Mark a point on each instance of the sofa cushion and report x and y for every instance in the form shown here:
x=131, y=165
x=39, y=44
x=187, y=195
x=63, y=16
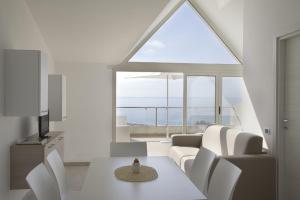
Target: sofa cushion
x=190, y=140
x=247, y=143
x=231, y=136
x=240, y=143
x=179, y=153
x=221, y=140
x=214, y=139
x=224, y=141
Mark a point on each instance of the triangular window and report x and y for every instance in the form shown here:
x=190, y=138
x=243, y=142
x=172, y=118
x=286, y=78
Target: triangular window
x=184, y=38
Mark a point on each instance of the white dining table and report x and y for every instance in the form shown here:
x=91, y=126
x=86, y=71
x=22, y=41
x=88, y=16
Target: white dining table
x=171, y=184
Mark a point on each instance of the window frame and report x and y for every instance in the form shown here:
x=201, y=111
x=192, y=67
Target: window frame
x=185, y=96
x=221, y=93
x=217, y=70
x=164, y=17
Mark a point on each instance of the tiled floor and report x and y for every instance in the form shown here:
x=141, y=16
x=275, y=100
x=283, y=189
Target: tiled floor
x=75, y=176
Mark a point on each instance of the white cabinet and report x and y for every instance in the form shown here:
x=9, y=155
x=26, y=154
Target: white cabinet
x=57, y=97
x=26, y=82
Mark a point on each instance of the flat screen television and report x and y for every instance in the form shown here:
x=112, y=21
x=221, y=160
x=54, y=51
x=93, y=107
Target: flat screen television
x=43, y=126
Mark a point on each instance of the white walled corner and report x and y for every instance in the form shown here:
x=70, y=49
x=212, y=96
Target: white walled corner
x=263, y=22
x=88, y=127
x=18, y=30
x=248, y=116
x=226, y=18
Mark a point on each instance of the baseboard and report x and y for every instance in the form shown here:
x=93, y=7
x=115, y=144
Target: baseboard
x=77, y=163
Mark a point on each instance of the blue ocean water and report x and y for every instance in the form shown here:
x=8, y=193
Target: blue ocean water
x=152, y=110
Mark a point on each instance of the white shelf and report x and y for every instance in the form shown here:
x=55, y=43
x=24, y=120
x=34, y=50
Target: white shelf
x=57, y=97
x=26, y=83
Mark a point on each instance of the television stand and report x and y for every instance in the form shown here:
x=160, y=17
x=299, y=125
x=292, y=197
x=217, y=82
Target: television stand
x=33, y=150
x=44, y=137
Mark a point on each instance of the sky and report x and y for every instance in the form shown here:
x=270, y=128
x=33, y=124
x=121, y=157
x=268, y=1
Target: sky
x=184, y=38
x=129, y=84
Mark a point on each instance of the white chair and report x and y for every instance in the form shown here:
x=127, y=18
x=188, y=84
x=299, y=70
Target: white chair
x=128, y=149
x=223, y=181
x=42, y=184
x=29, y=196
x=201, y=168
x=58, y=171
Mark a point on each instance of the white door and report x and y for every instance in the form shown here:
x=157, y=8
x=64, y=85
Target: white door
x=289, y=124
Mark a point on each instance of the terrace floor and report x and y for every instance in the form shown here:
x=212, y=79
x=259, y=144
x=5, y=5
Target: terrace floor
x=156, y=146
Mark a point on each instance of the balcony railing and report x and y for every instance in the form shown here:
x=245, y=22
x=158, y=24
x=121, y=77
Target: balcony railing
x=152, y=116
x=173, y=116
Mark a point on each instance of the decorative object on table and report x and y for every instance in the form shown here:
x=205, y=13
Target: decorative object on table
x=136, y=172
x=136, y=166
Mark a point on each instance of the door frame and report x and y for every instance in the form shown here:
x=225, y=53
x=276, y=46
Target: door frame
x=280, y=43
x=218, y=70
x=217, y=95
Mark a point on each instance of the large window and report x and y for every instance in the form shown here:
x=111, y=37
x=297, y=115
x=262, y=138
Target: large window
x=140, y=98
x=151, y=104
x=184, y=38
x=201, y=102
x=232, y=90
x=148, y=104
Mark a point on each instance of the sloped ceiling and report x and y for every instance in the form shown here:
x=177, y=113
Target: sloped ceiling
x=226, y=18
x=164, y=15
x=106, y=31
x=101, y=31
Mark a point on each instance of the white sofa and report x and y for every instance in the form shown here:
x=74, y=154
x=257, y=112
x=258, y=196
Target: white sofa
x=258, y=179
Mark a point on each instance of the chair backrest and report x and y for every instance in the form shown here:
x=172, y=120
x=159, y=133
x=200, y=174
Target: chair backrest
x=128, y=149
x=201, y=168
x=29, y=196
x=212, y=139
x=223, y=181
x=58, y=171
x=42, y=184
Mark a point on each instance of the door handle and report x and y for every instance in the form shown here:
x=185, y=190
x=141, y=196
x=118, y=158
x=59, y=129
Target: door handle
x=285, y=121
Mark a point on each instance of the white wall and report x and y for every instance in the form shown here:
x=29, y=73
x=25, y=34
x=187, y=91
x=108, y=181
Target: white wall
x=263, y=21
x=17, y=30
x=88, y=127
x=226, y=18
x=247, y=114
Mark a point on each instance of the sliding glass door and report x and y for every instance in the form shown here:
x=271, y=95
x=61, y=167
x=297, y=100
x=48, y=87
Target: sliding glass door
x=152, y=106
x=149, y=105
x=201, y=103
x=232, y=100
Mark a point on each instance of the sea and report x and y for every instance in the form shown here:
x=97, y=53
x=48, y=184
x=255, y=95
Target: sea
x=153, y=110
